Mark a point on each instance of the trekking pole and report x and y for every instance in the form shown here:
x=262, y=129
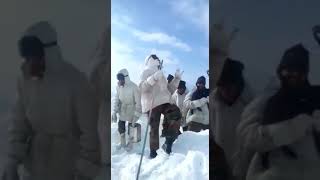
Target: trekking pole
x=144, y=142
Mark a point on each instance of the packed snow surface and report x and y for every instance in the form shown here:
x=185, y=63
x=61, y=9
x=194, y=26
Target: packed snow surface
x=189, y=158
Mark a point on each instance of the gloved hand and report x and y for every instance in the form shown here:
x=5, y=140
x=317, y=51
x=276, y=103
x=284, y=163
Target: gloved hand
x=220, y=48
x=178, y=74
x=136, y=117
x=10, y=171
x=222, y=39
x=204, y=100
x=158, y=75
x=114, y=117
x=199, y=102
x=155, y=77
x=287, y=132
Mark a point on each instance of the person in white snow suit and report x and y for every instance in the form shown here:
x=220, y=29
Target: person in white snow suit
x=53, y=125
x=282, y=127
x=197, y=103
x=219, y=52
x=173, y=83
x=127, y=104
x=230, y=98
x=156, y=100
x=178, y=98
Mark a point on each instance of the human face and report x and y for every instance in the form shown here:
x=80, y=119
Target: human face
x=181, y=91
x=292, y=78
x=201, y=86
x=229, y=93
x=33, y=67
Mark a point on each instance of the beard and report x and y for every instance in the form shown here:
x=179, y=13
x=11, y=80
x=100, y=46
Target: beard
x=293, y=85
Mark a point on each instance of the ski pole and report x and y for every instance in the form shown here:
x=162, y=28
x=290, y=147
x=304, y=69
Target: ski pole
x=144, y=142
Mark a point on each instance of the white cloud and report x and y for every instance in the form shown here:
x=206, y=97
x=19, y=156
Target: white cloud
x=123, y=56
x=196, y=11
x=119, y=47
x=167, y=56
x=161, y=38
x=124, y=22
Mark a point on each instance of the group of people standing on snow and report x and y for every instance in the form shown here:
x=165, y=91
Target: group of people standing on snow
x=58, y=127
x=156, y=95
x=270, y=136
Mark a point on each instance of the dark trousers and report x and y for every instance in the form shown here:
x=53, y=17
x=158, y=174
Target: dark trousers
x=171, y=123
x=197, y=127
x=185, y=128
x=219, y=168
x=122, y=126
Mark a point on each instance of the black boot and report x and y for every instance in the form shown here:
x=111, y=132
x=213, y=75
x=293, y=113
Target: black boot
x=153, y=154
x=167, y=146
x=185, y=128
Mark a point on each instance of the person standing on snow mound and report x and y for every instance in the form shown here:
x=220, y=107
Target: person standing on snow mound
x=283, y=127
x=128, y=104
x=178, y=99
x=230, y=98
x=197, y=103
x=53, y=125
x=155, y=97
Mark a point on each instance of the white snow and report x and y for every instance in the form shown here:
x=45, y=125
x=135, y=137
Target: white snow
x=189, y=158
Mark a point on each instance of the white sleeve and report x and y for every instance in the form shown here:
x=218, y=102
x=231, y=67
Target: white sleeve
x=116, y=102
x=137, y=98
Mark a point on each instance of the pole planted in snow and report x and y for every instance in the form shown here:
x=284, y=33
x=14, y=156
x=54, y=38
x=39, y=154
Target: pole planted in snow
x=144, y=142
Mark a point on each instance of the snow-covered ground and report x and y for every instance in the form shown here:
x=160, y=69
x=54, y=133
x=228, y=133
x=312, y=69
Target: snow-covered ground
x=189, y=159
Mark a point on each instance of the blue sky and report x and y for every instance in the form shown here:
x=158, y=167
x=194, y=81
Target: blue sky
x=176, y=30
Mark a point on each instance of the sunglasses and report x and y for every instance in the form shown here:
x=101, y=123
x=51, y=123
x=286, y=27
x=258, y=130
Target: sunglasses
x=121, y=76
x=291, y=72
x=154, y=56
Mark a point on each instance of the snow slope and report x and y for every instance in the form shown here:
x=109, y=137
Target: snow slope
x=189, y=159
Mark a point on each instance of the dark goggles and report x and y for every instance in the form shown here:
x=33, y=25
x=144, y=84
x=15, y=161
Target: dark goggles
x=121, y=76
x=200, y=82
x=154, y=56
x=31, y=46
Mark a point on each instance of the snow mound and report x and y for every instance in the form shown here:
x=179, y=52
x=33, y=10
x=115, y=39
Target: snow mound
x=189, y=158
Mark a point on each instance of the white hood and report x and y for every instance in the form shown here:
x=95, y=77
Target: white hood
x=126, y=74
x=151, y=63
x=151, y=66
x=47, y=34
